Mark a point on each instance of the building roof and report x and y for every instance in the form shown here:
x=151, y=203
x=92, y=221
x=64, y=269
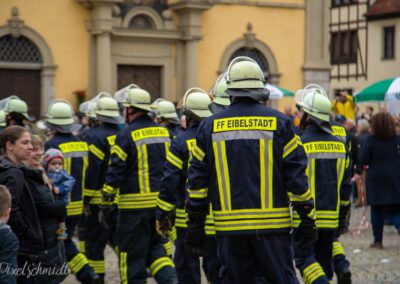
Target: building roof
x=383, y=9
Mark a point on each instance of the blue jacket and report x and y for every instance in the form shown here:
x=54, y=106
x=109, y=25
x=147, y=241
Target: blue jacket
x=249, y=163
x=64, y=182
x=383, y=180
x=173, y=193
x=137, y=162
x=174, y=130
x=75, y=163
x=100, y=141
x=328, y=175
x=8, y=254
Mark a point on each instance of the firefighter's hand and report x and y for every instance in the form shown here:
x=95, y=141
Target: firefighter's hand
x=104, y=216
x=344, y=216
x=306, y=237
x=163, y=226
x=86, y=206
x=196, y=241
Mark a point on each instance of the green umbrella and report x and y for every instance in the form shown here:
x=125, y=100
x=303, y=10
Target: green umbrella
x=278, y=92
x=385, y=90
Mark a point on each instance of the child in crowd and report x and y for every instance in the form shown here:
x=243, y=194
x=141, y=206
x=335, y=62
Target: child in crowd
x=9, y=244
x=61, y=182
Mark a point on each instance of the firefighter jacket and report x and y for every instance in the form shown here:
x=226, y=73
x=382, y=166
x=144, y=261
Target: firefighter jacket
x=249, y=163
x=100, y=141
x=328, y=175
x=75, y=163
x=173, y=193
x=174, y=129
x=137, y=162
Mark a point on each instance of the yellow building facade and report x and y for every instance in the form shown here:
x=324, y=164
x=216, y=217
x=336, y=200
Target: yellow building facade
x=52, y=49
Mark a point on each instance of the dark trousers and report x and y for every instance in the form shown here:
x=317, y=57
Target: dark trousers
x=243, y=257
x=98, y=236
x=77, y=261
x=318, y=266
x=378, y=214
x=140, y=247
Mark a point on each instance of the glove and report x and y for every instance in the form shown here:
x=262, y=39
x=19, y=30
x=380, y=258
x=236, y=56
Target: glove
x=306, y=237
x=165, y=224
x=86, y=206
x=104, y=216
x=344, y=218
x=196, y=241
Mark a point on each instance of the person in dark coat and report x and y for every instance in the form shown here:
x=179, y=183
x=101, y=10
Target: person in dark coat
x=49, y=211
x=381, y=152
x=15, y=143
x=9, y=241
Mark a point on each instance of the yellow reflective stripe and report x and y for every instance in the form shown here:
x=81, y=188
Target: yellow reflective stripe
x=340, y=174
x=108, y=189
x=290, y=146
x=123, y=267
x=172, y=234
x=111, y=139
x=344, y=202
x=221, y=166
x=338, y=131
x=69, y=147
x=324, y=147
x=198, y=193
x=253, y=224
x=82, y=246
x=97, y=152
x=164, y=205
x=328, y=214
x=84, y=168
x=149, y=132
x=78, y=262
x=300, y=198
x=245, y=123
x=143, y=168
x=75, y=208
x=251, y=214
x=263, y=174
x=168, y=247
x=174, y=160
x=99, y=266
x=91, y=192
x=338, y=249
x=137, y=201
x=311, y=176
x=198, y=153
x=270, y=172
x=119, y=152
x=327, y=224
x=68, y=165
x=160, y=263
x=312, y=273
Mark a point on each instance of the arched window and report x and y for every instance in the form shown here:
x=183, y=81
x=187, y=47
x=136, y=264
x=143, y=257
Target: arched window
x=142, y=22
x=255, y=54
x=19, y=49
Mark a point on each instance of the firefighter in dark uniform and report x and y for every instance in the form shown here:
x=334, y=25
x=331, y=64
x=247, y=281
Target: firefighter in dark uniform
x=219, y=96
x=173, y=192
x=60, y=120
x=100, y=229
x=328, y=176
x=341, y=264
x=137, y=160
x=249, y=164
x=166, y=116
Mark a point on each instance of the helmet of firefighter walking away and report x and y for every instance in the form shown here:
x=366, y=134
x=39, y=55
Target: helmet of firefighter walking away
x=107, y=110
x=166, y=109
x=244, y=78
x=60, y=116
x=138, y=98
x=2, y=119
x=195, y=104
x=120, y=95
x=219, y=93
x=14, y=108
x=88, y=108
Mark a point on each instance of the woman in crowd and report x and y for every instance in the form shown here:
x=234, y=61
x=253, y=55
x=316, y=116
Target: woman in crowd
x=49, y=210
x=15, y=143
x=381, y=153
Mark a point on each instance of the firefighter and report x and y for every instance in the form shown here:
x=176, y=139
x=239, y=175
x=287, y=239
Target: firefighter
x=341, y=264
x=59, y=121
x=220, y=97
x=166, y=116
x=16, y=111
x=249, y=164
x=173, y=192
x=328, y=176
x=137, y=161
x=100, y=229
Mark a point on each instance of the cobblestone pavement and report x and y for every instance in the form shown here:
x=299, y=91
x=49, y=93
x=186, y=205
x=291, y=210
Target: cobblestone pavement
x=368, y=266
